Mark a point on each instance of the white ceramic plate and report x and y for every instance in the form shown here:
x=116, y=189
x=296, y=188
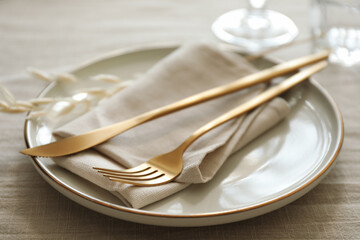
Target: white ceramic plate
x=272, y=171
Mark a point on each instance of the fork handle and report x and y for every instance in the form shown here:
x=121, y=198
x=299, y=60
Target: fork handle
x=254, y=102
x=244, y=82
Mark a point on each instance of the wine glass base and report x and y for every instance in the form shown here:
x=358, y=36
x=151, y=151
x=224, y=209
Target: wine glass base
x=273, y=30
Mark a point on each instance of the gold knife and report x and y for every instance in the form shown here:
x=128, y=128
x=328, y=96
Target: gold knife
x=89, y=139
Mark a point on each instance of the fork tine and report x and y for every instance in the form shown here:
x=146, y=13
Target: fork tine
x=146, y=183
x=121, y=174
x=146, y=171
x=137, y=169
x=141, y=178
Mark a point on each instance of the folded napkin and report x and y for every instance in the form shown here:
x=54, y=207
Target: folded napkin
x=189, y=70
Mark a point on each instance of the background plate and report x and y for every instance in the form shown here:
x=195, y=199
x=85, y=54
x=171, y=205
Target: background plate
x=270, y=172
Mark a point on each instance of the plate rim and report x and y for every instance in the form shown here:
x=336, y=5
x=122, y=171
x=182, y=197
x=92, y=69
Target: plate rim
x=128, y=50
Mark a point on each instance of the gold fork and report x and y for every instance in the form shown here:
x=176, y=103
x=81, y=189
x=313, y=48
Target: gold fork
x=89, y=139
x=164, y=168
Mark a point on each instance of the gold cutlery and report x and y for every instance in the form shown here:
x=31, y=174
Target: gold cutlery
x=89, y=139
x=164, y=168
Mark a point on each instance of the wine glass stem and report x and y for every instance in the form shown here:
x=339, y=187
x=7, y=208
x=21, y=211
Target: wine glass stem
x=257, y=6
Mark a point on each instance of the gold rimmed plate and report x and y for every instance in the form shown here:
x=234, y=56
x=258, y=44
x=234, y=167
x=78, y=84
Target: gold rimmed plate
x=272, y=171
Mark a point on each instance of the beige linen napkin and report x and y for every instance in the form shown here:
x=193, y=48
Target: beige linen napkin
x=189, y=70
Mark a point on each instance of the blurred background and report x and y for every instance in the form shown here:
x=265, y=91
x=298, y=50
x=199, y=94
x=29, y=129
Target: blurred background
x=65, y=33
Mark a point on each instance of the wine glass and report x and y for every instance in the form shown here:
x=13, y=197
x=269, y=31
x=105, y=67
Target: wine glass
x=255, y=29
